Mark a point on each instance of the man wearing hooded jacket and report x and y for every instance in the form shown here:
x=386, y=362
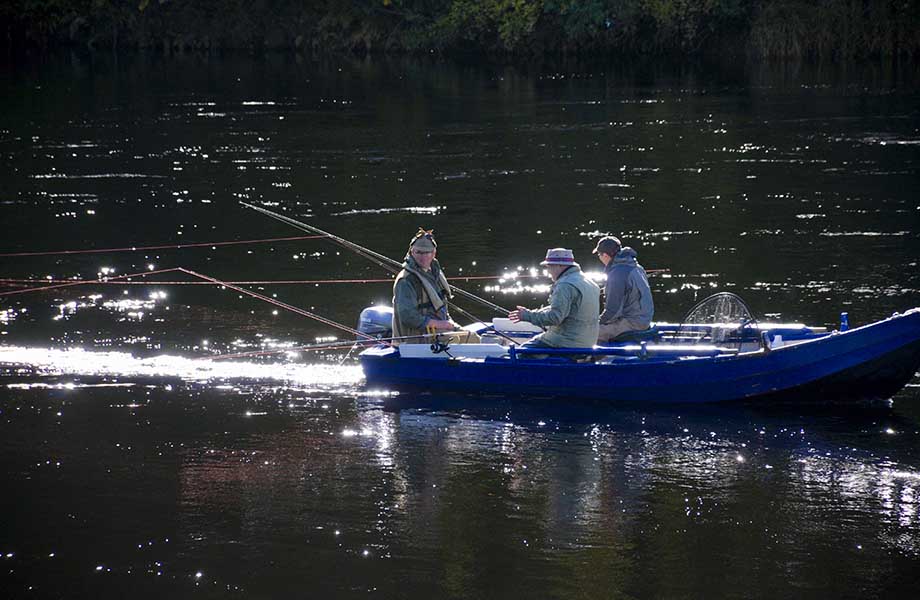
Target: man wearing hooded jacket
x=628, y=305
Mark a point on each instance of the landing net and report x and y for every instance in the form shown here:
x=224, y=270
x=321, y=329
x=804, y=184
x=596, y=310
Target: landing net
x=722, y=319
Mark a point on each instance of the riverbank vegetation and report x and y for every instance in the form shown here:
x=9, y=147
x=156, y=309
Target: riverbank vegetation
x=759, y=28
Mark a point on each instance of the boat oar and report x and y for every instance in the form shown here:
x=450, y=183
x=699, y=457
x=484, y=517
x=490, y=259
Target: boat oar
x=384, y=261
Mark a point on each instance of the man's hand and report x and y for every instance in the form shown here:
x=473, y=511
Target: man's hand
x=442, y=325
x=515, y=315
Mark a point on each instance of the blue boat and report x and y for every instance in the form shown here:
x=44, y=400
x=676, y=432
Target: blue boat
x=695, y=363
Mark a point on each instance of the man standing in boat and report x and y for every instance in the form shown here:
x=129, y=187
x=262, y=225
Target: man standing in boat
x=628, y=297
x=574, y=301
x=421, y=291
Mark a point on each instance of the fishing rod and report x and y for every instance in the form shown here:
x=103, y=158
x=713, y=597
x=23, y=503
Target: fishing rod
x=367, y=338
x=384, y=261
x=279, y=304
x=343, y=345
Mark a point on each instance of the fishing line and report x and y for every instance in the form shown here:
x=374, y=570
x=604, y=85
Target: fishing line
x=163, y=247
x=86, y=282
x=215, y=281
x=11, y=280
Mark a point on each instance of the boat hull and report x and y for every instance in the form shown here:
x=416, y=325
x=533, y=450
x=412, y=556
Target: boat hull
x=874, y=361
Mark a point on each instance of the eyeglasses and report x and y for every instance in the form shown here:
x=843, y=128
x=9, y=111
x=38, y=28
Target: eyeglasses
x=422, y=252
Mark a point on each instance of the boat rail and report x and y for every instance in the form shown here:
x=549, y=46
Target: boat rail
x=638, y=350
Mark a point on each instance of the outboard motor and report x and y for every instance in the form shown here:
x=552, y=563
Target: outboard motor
x=376, y=321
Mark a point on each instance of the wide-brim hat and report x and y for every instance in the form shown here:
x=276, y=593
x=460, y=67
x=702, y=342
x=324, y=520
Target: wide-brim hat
x=559, y=256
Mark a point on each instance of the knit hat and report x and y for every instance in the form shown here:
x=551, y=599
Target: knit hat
x=559, y=256
x=424, y=240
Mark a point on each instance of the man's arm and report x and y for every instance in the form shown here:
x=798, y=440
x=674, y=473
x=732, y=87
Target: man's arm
x=559, y=308
x=615, y=294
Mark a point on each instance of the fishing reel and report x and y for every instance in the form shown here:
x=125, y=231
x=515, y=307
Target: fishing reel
x=437, y=347
x=437, y=344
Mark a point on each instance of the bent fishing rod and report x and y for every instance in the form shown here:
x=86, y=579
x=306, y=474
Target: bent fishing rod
x=384, y=261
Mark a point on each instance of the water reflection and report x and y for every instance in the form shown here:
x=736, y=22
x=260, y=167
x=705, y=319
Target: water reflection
x=583, y=470
x=255, y=461
x=453, y=480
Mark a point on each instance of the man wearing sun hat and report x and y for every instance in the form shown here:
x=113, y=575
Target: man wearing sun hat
x=574, y=303
x=421, y=291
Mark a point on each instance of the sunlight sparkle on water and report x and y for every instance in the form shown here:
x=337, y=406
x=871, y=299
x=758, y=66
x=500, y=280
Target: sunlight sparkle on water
x=418, y=210
x=510, y=281
x=81, y=362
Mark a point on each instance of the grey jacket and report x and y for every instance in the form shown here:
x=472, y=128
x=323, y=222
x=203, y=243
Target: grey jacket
x=571, y=317
x=627, y=292
x=412, y=309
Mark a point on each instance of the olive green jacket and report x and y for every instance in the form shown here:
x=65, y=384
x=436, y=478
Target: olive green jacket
x=571, y=317
x=412, y=308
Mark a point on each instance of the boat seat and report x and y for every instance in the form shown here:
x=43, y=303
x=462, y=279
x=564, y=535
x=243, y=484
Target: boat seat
x=645, y=335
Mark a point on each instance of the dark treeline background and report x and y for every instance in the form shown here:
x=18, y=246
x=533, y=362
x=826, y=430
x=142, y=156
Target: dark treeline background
x=759, y=28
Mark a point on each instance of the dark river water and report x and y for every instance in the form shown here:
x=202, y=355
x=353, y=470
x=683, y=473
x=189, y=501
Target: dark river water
x=135, y=463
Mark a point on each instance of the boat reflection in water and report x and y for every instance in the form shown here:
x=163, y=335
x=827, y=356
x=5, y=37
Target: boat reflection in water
x=445, y=483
